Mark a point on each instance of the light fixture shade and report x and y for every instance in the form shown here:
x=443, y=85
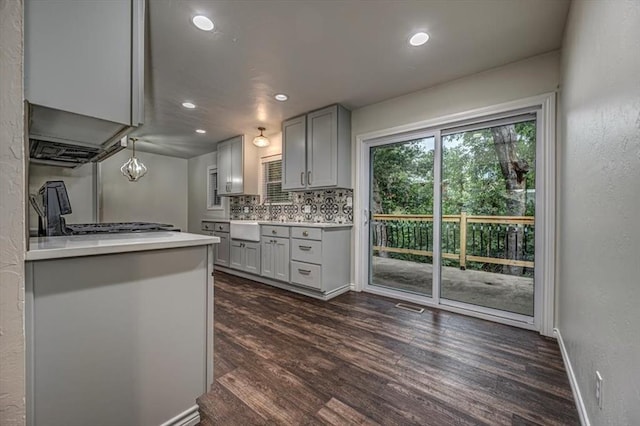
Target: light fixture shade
x=261, y=141
x=133, y=169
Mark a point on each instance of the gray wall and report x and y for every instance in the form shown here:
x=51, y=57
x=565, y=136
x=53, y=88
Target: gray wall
x=79, y=183
x=12, y=216
x=599, y=205
x=198, y=192
x=159, y=196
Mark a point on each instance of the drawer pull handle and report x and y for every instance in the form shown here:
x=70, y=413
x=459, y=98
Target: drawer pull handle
x=305, y=233
x=304, y=271
x=305, y=248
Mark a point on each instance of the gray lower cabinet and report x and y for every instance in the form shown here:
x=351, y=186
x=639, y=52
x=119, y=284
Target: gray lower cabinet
x=222, y=253
x=320, y=257
x=245, y=256
x=309, y=259
x=275, y=258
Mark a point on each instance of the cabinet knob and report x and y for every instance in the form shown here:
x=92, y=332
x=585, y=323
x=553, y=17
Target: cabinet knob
x=220, y=227
x=274, y=232
x=305, y=233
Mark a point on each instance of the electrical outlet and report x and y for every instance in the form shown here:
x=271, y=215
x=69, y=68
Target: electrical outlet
x=349, y=201
x=307, y=209
x=599, y=389
x=246, y=209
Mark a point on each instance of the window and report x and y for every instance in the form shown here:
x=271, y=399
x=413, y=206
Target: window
x=271, y=185
x=214, y=201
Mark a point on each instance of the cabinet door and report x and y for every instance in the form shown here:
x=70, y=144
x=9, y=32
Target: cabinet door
x=322, y=148
x=224, y=168
x=281, y=259
x=78, y=57
x=222, y=249
x=236, y=175
x=252, y=257
x=294, y=137
x=236, y=256
x=267, y=258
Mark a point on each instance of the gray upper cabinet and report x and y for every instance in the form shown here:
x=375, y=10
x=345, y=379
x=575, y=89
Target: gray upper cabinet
x=317, y=150
x=237, y=167
x=84, y=68
x=294, y=153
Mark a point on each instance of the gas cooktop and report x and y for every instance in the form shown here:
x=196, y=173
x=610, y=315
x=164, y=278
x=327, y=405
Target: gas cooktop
x=118, y=227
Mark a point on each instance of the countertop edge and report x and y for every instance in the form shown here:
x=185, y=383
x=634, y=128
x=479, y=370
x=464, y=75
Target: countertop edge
x=128, y=247
x=276, y=223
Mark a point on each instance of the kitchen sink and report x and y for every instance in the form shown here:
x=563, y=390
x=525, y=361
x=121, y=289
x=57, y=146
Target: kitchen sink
x=245, y=230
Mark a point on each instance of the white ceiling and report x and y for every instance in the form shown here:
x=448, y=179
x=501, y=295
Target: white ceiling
x=319, y=52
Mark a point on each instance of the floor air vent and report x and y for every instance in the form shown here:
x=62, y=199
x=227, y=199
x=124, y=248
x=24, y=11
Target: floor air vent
x=416, y=309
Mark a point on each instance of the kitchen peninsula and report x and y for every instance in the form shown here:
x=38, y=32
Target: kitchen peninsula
x=119, y=328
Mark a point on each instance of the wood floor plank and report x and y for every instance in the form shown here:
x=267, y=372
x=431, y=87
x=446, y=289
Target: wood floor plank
x=282, y=358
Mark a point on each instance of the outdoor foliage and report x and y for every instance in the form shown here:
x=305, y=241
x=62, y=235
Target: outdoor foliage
x=473, y=180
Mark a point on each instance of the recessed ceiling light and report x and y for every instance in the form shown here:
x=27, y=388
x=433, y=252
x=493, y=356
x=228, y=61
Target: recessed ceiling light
x=202, y=22
x=418, y=39
x=281, y=97
x=189, y=105
x=202, y=132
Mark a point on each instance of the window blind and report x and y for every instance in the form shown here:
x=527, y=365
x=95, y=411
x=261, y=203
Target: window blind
x=213, y=199
x=272, y=183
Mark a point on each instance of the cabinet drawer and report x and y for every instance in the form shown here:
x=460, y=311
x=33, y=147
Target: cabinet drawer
x=306, y=250
x=306, y=233
x=306, y=274
x=275, y=231
x=215, y=226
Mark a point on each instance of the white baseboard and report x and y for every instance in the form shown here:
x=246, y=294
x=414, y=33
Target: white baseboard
x=189, y=417
x=582, y=410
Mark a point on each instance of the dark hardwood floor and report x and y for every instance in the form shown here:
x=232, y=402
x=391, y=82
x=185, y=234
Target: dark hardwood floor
x=286, y=359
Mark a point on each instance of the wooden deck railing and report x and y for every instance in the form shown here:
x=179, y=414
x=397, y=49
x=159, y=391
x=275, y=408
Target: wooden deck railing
x=465, y=238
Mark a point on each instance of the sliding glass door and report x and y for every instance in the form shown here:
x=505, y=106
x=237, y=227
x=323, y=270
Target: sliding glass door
x=452, y=216
x=401, y=225
x=488, y=215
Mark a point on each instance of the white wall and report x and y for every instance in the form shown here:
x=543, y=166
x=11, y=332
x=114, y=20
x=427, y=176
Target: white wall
x=12, y=216
x=159, y=196
x=79, y=184
x=599, y=206
x=533, y=76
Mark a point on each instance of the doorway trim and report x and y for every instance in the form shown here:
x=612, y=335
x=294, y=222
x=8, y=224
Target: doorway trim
x=544, y=316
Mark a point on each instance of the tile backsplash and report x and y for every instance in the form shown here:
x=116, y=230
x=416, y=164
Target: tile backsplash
x=334, y=206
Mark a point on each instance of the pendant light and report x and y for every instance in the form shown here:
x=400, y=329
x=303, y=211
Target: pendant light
x=261, y=141
x=133, y=169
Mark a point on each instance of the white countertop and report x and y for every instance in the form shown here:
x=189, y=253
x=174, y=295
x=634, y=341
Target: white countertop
x=41, y=248
x=278, y=223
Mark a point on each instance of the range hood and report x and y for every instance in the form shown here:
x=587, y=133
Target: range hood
x=65, y=139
